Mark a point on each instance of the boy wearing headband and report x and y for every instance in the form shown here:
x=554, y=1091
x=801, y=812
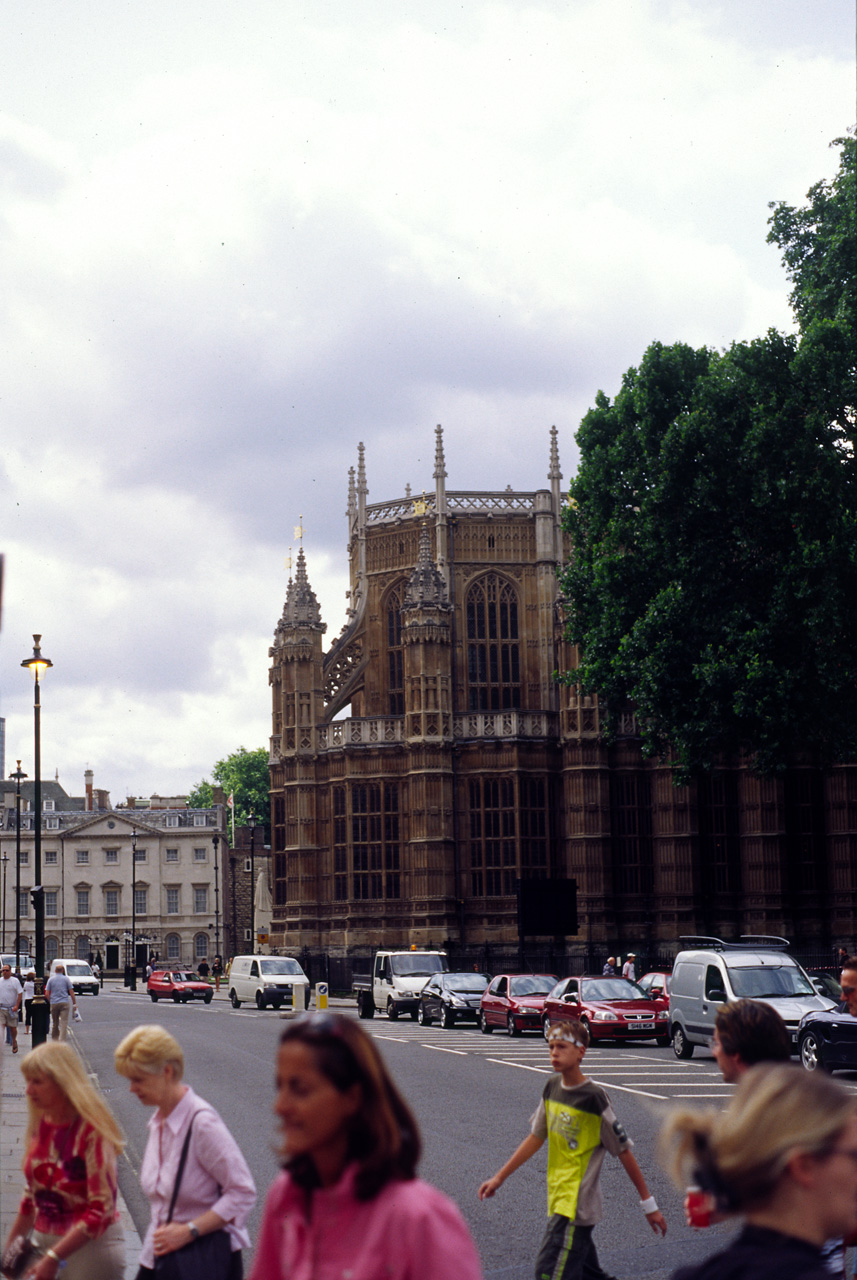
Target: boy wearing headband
x=576, y=1117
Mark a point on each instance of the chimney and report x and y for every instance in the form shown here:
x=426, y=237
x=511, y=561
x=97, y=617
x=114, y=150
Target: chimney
x=131, y=802
x=87, y=778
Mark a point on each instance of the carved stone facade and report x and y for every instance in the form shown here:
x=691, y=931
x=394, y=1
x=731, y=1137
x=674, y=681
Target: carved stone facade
x=463, y=764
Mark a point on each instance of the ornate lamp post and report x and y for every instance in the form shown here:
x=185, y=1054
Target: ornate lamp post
x=38, y=665
x=4, y=860
x=17, y=775
x=133, y=983
x=215, y=840
x=252, y=823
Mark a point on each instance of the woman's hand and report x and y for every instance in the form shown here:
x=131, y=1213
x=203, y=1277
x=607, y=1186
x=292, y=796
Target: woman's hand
x=169, y=1237
x=45, y=1269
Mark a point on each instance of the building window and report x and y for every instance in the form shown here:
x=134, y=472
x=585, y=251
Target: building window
x=172, y=820
x=719, y=833
x=200, y=900
x=395, y=656
x=140, y=855
x=83, y=902
x=200, y=946
x=631, y=832
x=248, y=866
x=493, y=664
x=25, y=857
x=81, y=857
x=172, y=902
x=51, y=896
x=24, y=903
x=111, y=902
x=375, y=848
x=803, y=791
x=493, y=867
x=50, y=857
x=111, y=856
x=248, y=935
x=200, y=855
x=141, y=904
x=340, y=845
x=52, y=948
x=82, y=947
x=174, y=946
x=172, y=855
x=48, y=806
x=52, y=824
x=200, y=820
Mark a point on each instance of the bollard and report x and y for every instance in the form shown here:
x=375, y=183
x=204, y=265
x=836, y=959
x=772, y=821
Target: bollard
x=321, y=995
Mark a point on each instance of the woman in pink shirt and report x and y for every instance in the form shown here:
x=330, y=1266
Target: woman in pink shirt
x=216, y=1190
x=348, y=1202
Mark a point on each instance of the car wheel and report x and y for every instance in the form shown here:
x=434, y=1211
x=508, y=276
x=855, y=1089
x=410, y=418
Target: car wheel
x=95, y=992
x=484, y=1025
x=422, y=1017
x=546, y=1027
x=153, y=997
x=512, y=1027
x=208, y=998
x=236, y=1003
x=392, y=1011
x=413, y=1015
x=810, y=1052
x=186, y=998
x=260, y=1000
x=306, y=996
x=584, y=1022
x=662, y=1041
x=176, y=998
x=682, y=1048
x=365, y=1005
x=447, y=1018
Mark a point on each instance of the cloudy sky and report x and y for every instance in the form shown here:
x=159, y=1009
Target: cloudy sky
x=239, y=236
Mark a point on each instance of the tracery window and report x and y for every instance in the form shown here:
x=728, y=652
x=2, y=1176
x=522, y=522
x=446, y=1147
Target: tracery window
x=631, y=822
x=375, y=840
x=395, y=655
x=493, y=663
x=509, y=833
x=719, y=832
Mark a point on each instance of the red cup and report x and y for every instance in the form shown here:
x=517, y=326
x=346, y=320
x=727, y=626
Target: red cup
x=697, y=1207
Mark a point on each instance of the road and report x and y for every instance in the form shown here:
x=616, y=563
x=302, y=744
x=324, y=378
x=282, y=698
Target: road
x=473, y=1095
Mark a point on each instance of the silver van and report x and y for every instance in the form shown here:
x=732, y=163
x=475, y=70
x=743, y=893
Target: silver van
x=711, y=972
x=267, y=980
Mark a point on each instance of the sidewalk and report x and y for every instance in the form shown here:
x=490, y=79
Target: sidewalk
x=13, y=1125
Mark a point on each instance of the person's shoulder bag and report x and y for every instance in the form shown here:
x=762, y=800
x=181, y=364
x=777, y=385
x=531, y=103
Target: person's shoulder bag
x=209, y=1257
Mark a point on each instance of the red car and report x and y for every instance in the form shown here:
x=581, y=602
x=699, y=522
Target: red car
x=657, y=987
x=180, y=984
x=611, y=1009
x=515, y=1001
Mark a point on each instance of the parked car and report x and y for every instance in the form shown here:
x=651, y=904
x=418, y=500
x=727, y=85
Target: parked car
x=656, y=984
x=827, y=1041
x=181, y=985
x=79, y=974
x=515, y=1001
x=268, y=980
x=826, y=983
x=610, y=1008
x=451, y=997
x=27, y=963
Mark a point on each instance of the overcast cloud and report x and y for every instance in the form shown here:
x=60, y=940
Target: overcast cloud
x=236, y=238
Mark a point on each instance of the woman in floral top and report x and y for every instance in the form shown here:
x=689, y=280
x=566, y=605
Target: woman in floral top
x=70, y=1168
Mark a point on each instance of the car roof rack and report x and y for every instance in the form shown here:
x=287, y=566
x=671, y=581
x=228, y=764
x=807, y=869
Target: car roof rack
x=748, y=942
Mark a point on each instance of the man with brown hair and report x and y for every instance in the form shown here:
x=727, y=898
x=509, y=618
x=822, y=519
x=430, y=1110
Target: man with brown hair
x=747, y=1032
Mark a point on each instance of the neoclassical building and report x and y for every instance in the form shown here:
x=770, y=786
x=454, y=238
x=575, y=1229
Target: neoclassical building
x=461, y=764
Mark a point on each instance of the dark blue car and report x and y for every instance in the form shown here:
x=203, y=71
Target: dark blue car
x=828, y=1041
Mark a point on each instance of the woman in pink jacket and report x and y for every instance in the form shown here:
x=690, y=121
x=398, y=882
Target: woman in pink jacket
x=348, y=1202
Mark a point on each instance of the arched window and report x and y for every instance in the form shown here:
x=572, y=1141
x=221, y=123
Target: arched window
x=200, y=946
x=52, y=948
x=395, y=656
x=493, y=665
x=82, y=947
x=174, y=946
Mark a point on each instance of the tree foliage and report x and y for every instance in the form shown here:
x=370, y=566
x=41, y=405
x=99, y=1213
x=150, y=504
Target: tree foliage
x=243, y=774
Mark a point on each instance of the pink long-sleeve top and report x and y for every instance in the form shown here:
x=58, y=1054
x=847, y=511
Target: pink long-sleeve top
x=71, y=1179
x=409, y=1231
x=215, y=1174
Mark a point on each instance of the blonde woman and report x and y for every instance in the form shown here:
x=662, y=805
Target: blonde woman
x=211, y=1191
x=73, y=1143
x=784, y=1155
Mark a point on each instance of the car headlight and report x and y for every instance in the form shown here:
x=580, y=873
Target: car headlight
x=602, y=1015
x=663, y=1016
x=457, y=1002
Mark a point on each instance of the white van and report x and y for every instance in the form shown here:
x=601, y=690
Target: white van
x=710, y=973
x=28, y=964
x=79, y=974
x=267, y=980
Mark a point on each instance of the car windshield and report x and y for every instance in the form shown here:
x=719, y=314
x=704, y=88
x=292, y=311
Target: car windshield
x=475, y=983
x=184, y=977
x=769, y=981
x=532, y=984
x=612, y=989
x=417, y=964
x=78, y=971
x=282, y=964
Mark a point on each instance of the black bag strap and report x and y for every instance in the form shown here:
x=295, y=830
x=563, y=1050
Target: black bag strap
x=182, y=1161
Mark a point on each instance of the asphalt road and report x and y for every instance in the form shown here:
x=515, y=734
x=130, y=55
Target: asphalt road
x=473, y=1095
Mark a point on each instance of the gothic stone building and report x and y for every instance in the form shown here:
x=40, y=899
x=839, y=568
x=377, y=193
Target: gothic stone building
x=463, y=764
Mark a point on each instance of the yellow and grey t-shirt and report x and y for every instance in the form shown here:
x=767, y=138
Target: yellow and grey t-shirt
x=580, y=1125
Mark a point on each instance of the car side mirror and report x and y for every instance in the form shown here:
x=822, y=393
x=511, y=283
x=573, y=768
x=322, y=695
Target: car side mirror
x=656, y=993
x=570, y=997
x=717, y=996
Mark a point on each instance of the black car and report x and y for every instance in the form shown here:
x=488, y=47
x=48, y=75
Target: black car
x=828, y=1041
x=451, y=997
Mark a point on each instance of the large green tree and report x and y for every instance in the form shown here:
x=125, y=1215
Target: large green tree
x=243, y=774
x=714, y=526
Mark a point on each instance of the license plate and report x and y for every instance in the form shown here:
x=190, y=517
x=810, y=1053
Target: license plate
x=646, y=1026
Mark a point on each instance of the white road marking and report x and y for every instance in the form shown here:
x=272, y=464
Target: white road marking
x=398, y=1039
x=522, y=1066
x=440, y=1049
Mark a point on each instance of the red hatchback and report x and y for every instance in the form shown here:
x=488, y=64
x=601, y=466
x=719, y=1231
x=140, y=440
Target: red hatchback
x=611, y=1009
x=179, y=985
x=515, y=1002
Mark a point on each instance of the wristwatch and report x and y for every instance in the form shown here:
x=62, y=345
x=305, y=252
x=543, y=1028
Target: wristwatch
x=193, y=1229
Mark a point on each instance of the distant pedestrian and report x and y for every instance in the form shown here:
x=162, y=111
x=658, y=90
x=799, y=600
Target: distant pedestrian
x=628, y=969
x=60, y=992
x=575, y=1115
x=203, y=970
x=11, y=995
x=29, y=995
x=609, y=970
x=217, y=971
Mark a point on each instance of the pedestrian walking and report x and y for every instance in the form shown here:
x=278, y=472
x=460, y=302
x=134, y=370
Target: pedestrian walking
x=628, y=968
x=348, y=1202
x=609, y=970
x=29, y=994
x=217, y=971
x=576, y=1117
x=203, y=969
x=60, y=992
x=11, y=995
x=783, y=1154
x=197, y=1181
x=69, y=1210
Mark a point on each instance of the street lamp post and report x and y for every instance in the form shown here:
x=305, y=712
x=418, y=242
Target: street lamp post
x=252, y=821
x=133, y=909
x=215, y=840
x=4, y=860
x=18, y=775
x=37, y=665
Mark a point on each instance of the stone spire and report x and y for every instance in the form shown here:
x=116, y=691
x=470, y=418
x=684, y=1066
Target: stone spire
x=351, y=510
x=554, y=472
x=439, y=461
x=301, y=607
x=425, y=585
